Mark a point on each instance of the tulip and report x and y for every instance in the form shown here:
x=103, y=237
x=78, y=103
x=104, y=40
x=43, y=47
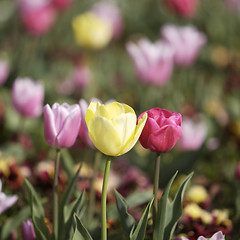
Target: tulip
x=183, y=8
x=61, y=124
x=4, y=71
x=28, y=232
x=37, y=16
x=112, y=128
x=186, y=42
x=6, y=201
x=233, y=5
x=153, y=61
x=193, y=136
x=110, y=13
x=217, y=236
x=161, y=131
x=91, y=31
x=62, y=4
x=82, y=76
x=27, y=97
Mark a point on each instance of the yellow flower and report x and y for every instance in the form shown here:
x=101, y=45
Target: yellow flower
x=112, y=128
x=197, y=194
x=91, y=31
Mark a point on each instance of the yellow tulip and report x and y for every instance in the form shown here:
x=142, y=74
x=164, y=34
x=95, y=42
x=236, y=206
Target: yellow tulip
x=91, y=31
x=112, y=128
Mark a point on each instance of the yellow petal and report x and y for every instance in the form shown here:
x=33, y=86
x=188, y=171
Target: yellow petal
x=135, y=135
x=116, y=108
x=125, y=125
x=103, y=112
x=91, y=111
x=104, y=136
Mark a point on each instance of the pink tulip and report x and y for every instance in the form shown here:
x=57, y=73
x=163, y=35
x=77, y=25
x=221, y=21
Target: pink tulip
x=82, y=76
x=6, y=201
x=62, y=4
x=27, y=97
x=61, y=124
x=153, y=61
x=217, y=236
x=111, y=13
x=233, y=5
x=186, y=42
x=161, y=131
x=83, y=130
x=183, y=8
x=37, y=16
x=193, y=134
x=28, y=232
x=4, y=71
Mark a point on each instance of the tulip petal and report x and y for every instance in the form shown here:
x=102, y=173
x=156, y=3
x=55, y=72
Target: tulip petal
x=135, y=135
x=90, y=113
x=104, y=136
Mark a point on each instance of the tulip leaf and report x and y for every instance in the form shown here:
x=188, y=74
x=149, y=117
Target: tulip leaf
x=128, y=222
x=14, y=222
x=139, y=232
x=37, y=212
x=81, y=233
x=67, y=162
x=138, y=198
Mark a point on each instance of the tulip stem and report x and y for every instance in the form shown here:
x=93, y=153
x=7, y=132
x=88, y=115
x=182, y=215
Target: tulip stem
x=55, y=195
x=104, y=200
x=92, y=190
x=155, y=187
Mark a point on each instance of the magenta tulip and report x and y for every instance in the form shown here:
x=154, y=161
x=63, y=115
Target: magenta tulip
x=27, y=97
x=161, y=131
x=61, y=124
x=183, y=8
x=62, y=5
x=153, y=61
x=28, y=232
x=4, y=71
x=186, y=42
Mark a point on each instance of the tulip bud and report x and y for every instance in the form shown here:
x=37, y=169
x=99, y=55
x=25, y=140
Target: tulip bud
x=185, y=41
x=161, y=131
x=27, y=97
x=61, y=124
x=28, y=232
x=153, y=61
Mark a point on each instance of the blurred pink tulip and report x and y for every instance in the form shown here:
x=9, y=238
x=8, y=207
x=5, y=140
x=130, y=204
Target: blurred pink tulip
x=216, y=236
x=193, y=134
x=186, y=42
x=83, y=131
x=111, y=13
x=183, y=8
x=37, y=16
x=233, y=5
x=62, y=4
x=27, y=97
x=28, y=232
x=61, y=124
x=4, y=71
x=161, y=131
x=82, y=76
x=6, y=201
x=153, y=61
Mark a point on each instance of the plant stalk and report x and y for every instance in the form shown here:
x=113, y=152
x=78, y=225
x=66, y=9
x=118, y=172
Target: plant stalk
x=55, y=195
x=104, y=200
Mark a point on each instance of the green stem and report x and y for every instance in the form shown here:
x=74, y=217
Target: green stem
x=104, y=199
x=92, y=190
x=155, y=187
x=55, y=195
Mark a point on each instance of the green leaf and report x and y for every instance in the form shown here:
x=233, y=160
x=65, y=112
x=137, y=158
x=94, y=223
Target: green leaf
x=162, y=214
x=127, y=220
x=38, y=215
x=15, y=221
x=176, y=209
x=81, y=233
x=67, y=162
x=138, y=198
x=140, y=230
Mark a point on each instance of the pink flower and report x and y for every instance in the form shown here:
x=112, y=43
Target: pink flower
x=186, y=42
x=193, y=134
x=83, y=130
x=62, y=4
x=216, y=236
x=161, y=131
x=27, y=97
x=233, y=5
x=61, y=124
x=111, y=13
x=153, y=61
x=28, y=232
x=6, y=201
x=37, y=16
x=4, y=71
x=82, y=76
x=183, y=8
